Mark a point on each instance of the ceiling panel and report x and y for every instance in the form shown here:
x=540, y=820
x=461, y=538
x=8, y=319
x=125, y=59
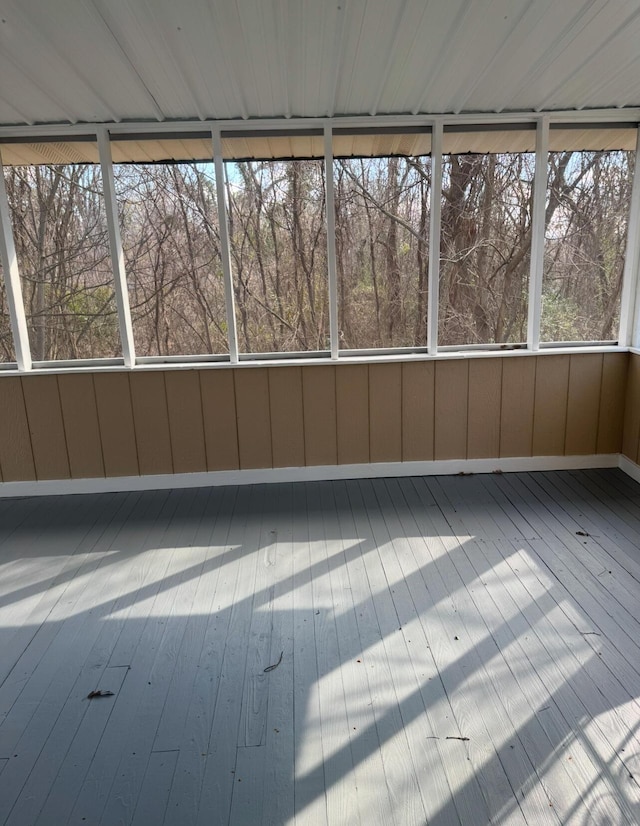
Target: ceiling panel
x=577, y=55
x=417, y=61
x=526, y=55
x=135, y=60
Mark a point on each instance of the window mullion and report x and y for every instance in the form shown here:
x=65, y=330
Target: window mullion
x=12, y=281
x=434, y=238
x=115, y=247
x=537, y=235
x=225, y=247
x=629, y=304
x=331, y=241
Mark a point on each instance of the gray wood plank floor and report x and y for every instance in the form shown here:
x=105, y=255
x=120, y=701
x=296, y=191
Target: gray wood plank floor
x=444, y=650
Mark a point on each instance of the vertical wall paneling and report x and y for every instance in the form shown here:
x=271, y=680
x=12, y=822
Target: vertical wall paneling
x=186, y=428
x=352, y=412
x=115, y=419
x=16, y=457
x=417, y=410
x=151, y=420
x=80, y=415
x=583, y=407
x=86, y=425
x=550, y=405
x=631, y=430
x=614, y=383
x=518, y=385
x=385, y=401
x=320, y=429
x=254, y=419
x=637, y=415
x=219, y=414
x=287, y=420
x=485, y=396
x=46, y=427
x=451, y=405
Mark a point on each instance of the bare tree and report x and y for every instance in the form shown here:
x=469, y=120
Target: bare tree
x=169, y=224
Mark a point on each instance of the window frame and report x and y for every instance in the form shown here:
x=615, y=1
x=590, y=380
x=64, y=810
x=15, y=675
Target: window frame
x=629, y=326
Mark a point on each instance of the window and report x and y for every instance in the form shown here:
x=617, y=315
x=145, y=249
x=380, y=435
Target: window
x=277, y=227
x=590, y=173
x=59, y=225
x=487, y=188
x=275, y=204
x=168, y=214
x=382, y=206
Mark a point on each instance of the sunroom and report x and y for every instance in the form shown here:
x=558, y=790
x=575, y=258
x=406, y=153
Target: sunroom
x=319, y=413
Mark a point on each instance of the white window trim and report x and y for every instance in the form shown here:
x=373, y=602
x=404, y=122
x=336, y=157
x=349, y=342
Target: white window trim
x=225, y=244
x=630, y=305
x=12, y=282
x=332, y=267
x=115, y=247
x=433, y=278
x=537, y=235
x=158, y=363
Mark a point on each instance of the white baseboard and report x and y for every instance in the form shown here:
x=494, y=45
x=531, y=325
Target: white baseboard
x=629, y=467
x=307, y=474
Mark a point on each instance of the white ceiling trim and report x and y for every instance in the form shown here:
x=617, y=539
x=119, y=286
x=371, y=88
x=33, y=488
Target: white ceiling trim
x=62, y=130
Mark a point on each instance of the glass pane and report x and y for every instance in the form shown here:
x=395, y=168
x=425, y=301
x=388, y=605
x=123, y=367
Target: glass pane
x=171, y=240
x=60, y=232
x=382, y=205
x=7, y=351
x=278, y=252
x=485, y=240
x=587, y=208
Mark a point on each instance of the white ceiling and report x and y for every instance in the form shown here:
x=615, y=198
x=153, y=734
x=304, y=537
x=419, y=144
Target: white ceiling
x=114, y=60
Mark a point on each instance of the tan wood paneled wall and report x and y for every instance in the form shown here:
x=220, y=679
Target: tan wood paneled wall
x=631, y=433
x=180, y=421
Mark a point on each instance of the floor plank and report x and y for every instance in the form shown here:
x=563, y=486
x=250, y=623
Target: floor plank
x=540, y=651
x=447, y=650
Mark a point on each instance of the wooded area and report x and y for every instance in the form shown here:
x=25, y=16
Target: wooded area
x=169, y=224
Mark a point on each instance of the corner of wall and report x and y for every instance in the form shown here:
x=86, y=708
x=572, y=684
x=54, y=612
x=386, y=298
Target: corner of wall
x=631, y=424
